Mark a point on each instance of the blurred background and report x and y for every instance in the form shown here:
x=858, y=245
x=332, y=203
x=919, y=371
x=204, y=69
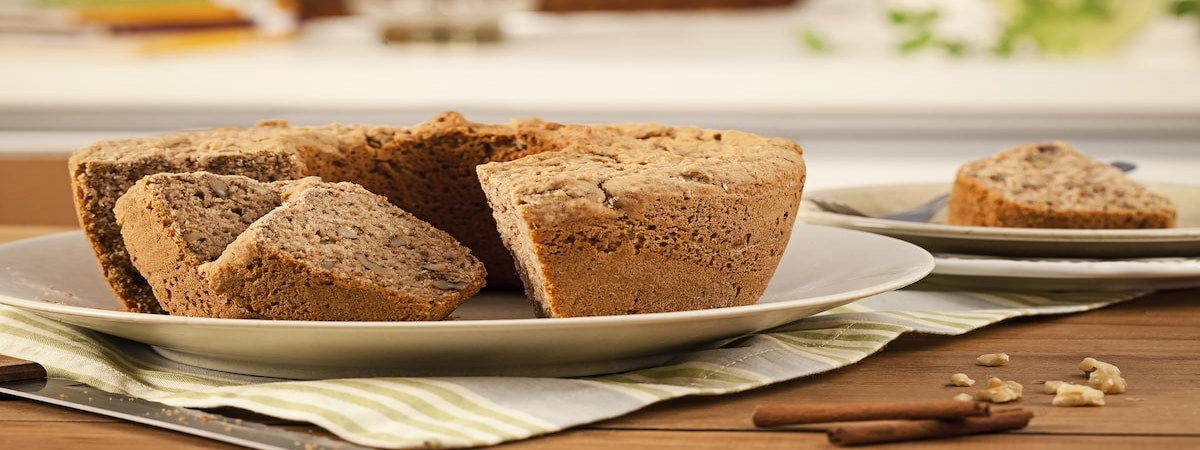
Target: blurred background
x=875, y=90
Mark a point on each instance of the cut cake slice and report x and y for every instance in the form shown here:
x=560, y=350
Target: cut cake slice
x=336, y=251
x=199, y=239
x=173, y=223
x=1053, y=186
x=102, y=172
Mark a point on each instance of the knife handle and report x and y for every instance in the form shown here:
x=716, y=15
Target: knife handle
x=13, y=369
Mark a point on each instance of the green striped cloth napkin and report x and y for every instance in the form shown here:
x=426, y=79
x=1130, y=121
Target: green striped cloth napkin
x=474, y=411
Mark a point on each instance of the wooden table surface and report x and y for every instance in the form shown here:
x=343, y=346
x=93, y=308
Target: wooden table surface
x=1154, y=340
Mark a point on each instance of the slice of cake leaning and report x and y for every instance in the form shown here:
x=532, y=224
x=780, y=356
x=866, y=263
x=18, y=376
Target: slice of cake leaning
x=228, y=246
x=173, y=223
x=616, y=225
x=1053, y=186
x=103, y=171
x=335, y=251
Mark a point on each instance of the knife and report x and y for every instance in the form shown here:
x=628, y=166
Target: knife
x=27, y=379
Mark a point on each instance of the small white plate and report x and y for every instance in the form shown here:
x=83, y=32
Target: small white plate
x=1058, y=274
x=938, y=237
x=496, y=334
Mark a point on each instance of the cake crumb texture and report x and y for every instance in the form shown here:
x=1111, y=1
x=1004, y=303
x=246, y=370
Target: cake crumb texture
x=228, y=246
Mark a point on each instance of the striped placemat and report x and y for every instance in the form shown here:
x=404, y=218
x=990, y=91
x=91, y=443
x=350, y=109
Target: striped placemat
x=474, y=411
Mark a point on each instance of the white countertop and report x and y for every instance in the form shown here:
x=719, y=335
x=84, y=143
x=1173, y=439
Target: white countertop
x=697, y=69
x=864, y=113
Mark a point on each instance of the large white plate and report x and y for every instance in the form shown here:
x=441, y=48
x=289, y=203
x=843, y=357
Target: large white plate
x=495, y=334
x=936, y=236
x=1061, y=274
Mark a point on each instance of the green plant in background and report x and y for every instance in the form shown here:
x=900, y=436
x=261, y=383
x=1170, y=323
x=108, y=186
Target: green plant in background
x=917, y=28
x=1072, y=27
x=814, y=41
x=1186, y=8
x=1049, y=27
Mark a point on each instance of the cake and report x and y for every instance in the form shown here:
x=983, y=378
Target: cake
x=232, y=247
x=336, y=251
x=643, y=218
x=102, y=172
x=173, y=223
x=427, y=170
x=1053, y=186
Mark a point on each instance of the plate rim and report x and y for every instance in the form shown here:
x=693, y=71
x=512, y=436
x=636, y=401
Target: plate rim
x=808, y=211
x=966, y=269
x=912, y=275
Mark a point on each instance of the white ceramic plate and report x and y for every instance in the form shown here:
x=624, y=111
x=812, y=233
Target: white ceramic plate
x=496, y=334
x=1067, y=274
x=936, y=236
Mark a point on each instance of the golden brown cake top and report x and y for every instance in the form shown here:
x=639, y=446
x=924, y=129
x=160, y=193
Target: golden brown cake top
x=608, y=168
x=268, y=137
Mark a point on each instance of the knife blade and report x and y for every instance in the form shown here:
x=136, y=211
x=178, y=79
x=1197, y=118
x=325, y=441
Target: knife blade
x=79, y=396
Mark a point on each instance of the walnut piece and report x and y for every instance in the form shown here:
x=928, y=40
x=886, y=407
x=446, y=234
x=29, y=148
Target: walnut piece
x=1103, y=376
x=370, y=265
x=194, y=237
x=963, y=397
x=1051, y=387
x=1077, y=395
x=992, y=359
x=347, y=232
x=219, y=187
x=961, y=379
x=449, y=285
x=1000, y=391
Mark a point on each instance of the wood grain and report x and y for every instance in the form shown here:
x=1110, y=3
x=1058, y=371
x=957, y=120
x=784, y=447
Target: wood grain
x=13, y=409
x=9, y=233
x=1153, y=340
x=35, y=190
x=97, y=436
x=13, y=369
x=1160, y=362
x=775, y=440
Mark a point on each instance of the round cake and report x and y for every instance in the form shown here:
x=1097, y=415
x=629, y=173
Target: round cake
x=737, y=193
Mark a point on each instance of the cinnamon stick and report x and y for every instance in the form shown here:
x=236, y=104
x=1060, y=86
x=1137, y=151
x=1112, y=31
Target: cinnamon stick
x=790, y=414
x=874, y=433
